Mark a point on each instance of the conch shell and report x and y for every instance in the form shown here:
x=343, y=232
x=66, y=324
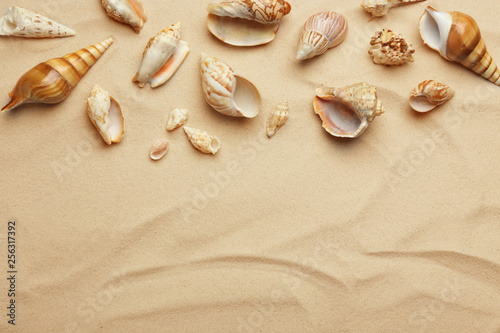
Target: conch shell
x=430, y=94
x=159, y=149
x=226, y=92
x=162, y=56
x=176, y=119
x=322, y=31
x=130, y=12
x=51, y=81
x=106, y=115
x=202, y=141
x=22, y=22
x=390, y=49
x=456, y=37
x=277, y=119
x=379, y=8
x=346, y=112
x=246, y=22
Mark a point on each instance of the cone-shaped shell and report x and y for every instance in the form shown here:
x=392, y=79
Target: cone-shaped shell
x=159, y=149
x=21, y=22
x=456, y=37
x=176, y=119
x=226, y=92
x=106, y=115
x=322, y=31
x=202, y=141
x=51, y=81
x=429, y=94
x=277, y=119
x=346, y=112
x=130, y=12
x=379, y=8
x=246, y=22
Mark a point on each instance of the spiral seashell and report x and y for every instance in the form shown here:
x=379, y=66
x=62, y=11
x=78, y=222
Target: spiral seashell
x=277, y=119
x=159, y=149
x=51, y=81
x=390, y=49
x=21, y=22
x=162, y=56
x=176, y=119
x=226, y=92
x=346, y=112
x=379, y=8
x=429, y=94
x=246, y=22
x=456, y=37
x=322, y=31
x=130, y=12
x=202, y=141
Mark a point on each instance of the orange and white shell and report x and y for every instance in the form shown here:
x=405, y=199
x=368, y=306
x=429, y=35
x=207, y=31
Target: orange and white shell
x=429, y=94
x=277, y=118
x=21, y=22
x=390, y=49
x=130, y=12
x=322, y=31
x=207, y=144
x=346, y=112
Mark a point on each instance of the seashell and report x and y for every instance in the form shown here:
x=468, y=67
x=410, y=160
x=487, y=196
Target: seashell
x=346, y=112
x=322, y=31
x=246, y=22
x=202, y=141
x=456, y=37
x=390, y=49
x=226, y=92
x=277, y=118
x=106, y=115
x=162, y=56
x=130, y=12
x=379, y=8
x=21, y=22
x=51, y=81
x=176, y=119
x=430, y=94
x=159, y=149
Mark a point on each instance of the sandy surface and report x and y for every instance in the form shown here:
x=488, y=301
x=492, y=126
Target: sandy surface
x=396, y=231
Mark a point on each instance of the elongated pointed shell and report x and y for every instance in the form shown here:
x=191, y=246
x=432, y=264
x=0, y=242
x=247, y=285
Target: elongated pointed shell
x=429, y=94
x=51, y=81
x=130, y=12
x=277, y=119
x=379, y=8
x=202, y=141
x=176, y=119
x=246, y=22
x=322, y=31
x=106, y=115
x=456, y=37
x=226, y=92
x=346, y=112
x=159, y=149
x=390, y=49
x=21, y=22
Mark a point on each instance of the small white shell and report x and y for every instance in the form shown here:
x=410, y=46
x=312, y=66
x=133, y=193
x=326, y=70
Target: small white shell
x=159, y=149
x=130, y=12
x=390, y=49
x=106, y=115
x=379, y=8
x=176, y=119
x=202, y=141
x=22, y=22
x=277, y=118
x=429, y=94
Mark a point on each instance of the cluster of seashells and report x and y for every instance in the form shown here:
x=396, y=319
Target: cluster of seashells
x=345, y=112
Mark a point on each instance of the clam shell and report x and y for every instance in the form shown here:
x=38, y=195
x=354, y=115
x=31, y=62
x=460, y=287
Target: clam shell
x=390, y=49
x=277, y=119
x=429, y=94
x=322, y=31
x=106, y=115
x=379, y=8
x=159, y=149
x=202, y=141
x=346, y=112
x=130, y=12
x=21, y=22
x=226, y=92
x=176, y=119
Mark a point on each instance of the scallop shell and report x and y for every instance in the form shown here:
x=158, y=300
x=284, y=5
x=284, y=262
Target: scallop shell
x=388, y=48
x=159, y=149
x=106, y=115
x=456, y=37
x=246, y=22
x=162, y=56
x=277, y=118
x=430, y=94
x=176, y=119
x=202, y=141
x=51, y=81
x=322, y=31
x=130, y=12
x=379, y=8
x=226, y=92
x=346, y=112
x=21, y=22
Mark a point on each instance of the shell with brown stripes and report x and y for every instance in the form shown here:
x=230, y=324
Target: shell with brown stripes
x=456, y=37
x=51, y=81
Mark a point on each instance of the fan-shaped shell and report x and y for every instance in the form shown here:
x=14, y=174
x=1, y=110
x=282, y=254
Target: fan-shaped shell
x=130, y=12
x=429, y=94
